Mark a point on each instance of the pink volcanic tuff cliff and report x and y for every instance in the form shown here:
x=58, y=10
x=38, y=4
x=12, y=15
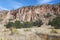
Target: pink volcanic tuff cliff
x=32, y=13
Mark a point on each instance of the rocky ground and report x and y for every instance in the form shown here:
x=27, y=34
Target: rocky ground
x=24, y=33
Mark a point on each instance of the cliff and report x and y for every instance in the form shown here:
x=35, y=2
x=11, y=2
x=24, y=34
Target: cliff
x=31, y=13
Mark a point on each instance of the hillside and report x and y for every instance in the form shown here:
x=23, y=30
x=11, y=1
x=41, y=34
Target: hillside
x=45, y=13
x=31, y=13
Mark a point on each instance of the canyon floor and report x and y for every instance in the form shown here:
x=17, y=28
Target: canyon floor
x=25, y=33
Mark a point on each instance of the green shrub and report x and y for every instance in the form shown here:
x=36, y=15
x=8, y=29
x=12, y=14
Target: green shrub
x=27, y=24
x=18, y=24
x=9, y=25
x=55, y=22
x=48, y=15
x=37, y=23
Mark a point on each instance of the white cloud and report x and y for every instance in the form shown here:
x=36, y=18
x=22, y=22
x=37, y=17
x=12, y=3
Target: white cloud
x=44, y=1
x=15, y=4
x=2, y=8
x=10, y=4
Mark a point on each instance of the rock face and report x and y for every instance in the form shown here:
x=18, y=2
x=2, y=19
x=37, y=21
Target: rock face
x=3, y=14
x=32, y=13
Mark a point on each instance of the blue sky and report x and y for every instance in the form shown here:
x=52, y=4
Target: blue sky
x=14, y=4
